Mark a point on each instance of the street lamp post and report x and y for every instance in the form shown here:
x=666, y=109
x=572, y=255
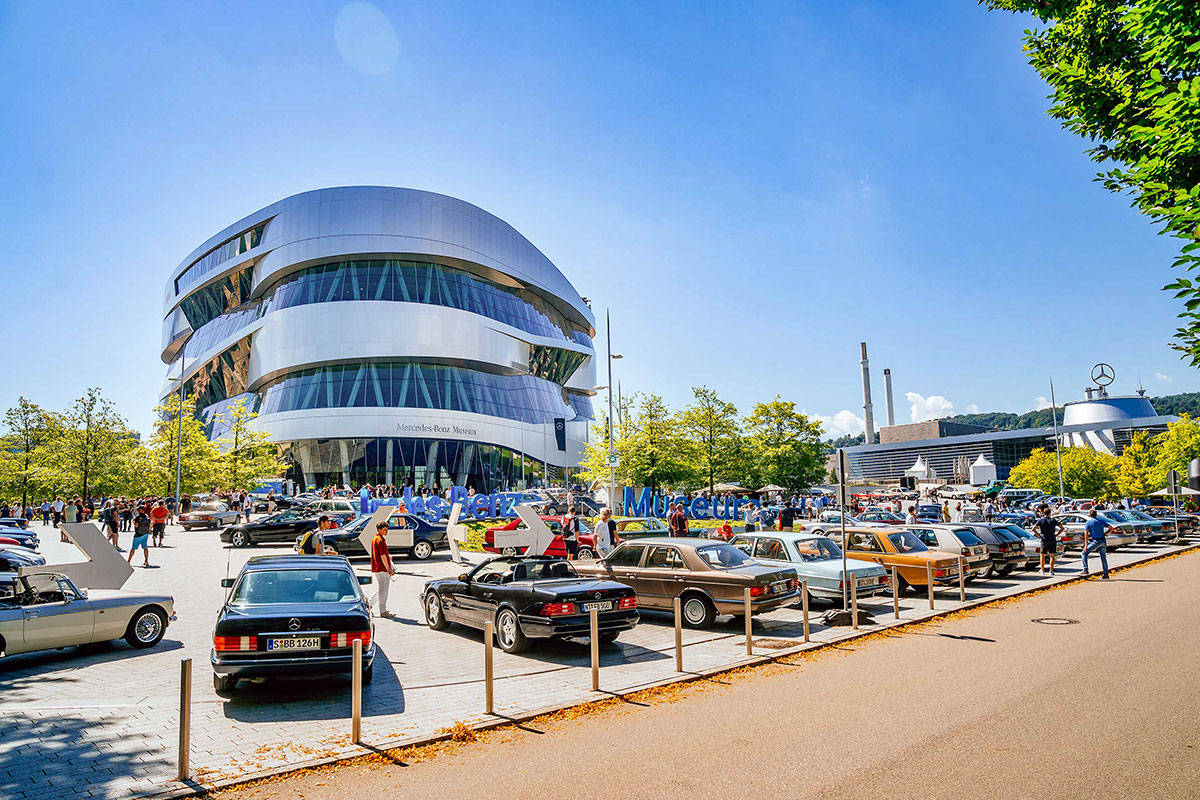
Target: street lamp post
x=612, y=468
x=179, y=433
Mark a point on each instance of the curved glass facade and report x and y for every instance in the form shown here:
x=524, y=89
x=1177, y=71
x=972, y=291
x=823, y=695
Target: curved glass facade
x=214, y=300
x=219, y=255
x=420, y=282
x=399, y=384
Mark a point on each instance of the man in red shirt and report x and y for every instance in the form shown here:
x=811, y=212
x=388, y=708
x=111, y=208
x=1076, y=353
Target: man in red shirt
x=677, y=522
x=158, y=519
x=381, y=566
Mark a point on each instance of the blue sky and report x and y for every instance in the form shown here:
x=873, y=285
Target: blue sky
x=753, y=188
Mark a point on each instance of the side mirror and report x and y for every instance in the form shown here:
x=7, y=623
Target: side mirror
x=227, y=583
x=463, y=578
x=364, y=580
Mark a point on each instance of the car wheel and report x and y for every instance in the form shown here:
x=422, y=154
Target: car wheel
x=1007, y=568
x=435, y=615
x=608, y=637
x=217, y=525
x=224, y=684
x=146, y=628
x=421, y=550
x=508, y=551
x=698, y=612
x=551, y=511
x=368, y=673
x=239, y=539
x=585, y=554
x=508, y=632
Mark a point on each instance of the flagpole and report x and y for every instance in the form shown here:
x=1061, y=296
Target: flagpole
x=1057, y=449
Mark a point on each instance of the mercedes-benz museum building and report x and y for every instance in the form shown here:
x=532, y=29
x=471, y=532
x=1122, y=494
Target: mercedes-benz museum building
x=388, y=336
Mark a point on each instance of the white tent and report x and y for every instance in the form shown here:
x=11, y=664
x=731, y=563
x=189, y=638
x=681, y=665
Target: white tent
x=983, y=471
x=919, y=470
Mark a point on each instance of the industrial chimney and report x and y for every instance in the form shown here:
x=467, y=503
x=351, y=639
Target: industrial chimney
x=887, y=393
x=868, y=416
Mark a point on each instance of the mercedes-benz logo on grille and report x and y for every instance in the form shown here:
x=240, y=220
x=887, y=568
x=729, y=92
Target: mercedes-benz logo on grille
x=293, y=624
x=596, y=595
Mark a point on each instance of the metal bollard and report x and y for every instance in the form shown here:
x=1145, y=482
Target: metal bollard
x=749, y=623
x=678, y=635
x=185, y=718
x=896, y=591
x=488, y=636
x=356, y=694
x=854, y=601
x=929, y=581
x=962, y=579
x=804, y=603
x=595, y=620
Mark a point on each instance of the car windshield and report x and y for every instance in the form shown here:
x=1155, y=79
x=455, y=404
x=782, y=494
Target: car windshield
x=906, y=542
x=260, y=587
x=1021, y=532
x=1142, y=515
x=819, y=549
x=723, y=556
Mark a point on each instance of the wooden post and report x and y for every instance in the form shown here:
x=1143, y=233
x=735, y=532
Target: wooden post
x=488, y=636
x=185, y=719
x=749, y=623
x=678, y=635
x=896, y=591
x=854, y=600
x=929, y=581
x=962, y=579
x=595, y=620
x=804, y=603
x=356, y=694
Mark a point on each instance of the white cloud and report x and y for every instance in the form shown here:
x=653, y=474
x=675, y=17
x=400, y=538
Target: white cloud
x=1162, y=377
x=841, y=423
x=925, y=408
x=1039, y=403
x=972, y=408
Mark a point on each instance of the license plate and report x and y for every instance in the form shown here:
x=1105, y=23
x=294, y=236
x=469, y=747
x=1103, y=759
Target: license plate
x=295, y=643
x=867, y=581
x=605, y=606
x=779, y=587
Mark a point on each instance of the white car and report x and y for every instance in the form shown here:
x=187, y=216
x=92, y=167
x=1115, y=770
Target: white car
x=45, y=610
x=1119, y=533
x=956, y=540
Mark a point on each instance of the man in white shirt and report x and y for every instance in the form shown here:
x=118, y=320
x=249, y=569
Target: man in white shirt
x=603, y=533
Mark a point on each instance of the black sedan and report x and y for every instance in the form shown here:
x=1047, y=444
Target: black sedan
x=537, y=597
x=291, y=615
x=281, y=528
x=14, y=522
x=22, y=537
x=1005, y=549
x=426, y=537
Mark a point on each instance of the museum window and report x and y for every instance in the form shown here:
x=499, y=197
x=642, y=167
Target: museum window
x=219, y=255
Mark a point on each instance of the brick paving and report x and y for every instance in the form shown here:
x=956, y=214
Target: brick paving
x=103, y=721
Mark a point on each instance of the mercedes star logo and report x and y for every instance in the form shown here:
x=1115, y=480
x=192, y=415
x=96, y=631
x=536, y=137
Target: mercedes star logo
x=596, y=595
x=294, y=624
x=1103, y=374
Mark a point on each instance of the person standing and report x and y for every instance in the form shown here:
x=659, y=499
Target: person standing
x=381, y=566
x=603, y=533
x=570, y=534
x=911, y=517
x=108, y=516
x=750, y=516
x=158, y=522
x=677, y=522
x=1048, y=528
x=989, y=511
x=271, y=502
x=314, y=543
x=945, y=511
x=1096, y=528
x=141, y=536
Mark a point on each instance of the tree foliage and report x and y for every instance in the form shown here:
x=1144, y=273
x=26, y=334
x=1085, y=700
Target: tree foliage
x=1137, y=467
x=1126, y=77
x=712, y=424
x=87, y=448
x=785, y=445
x=27, y=428
x=1086, y=473
x=248, y=457
x=198, y=462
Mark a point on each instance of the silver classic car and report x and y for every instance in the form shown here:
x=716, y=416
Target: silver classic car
x=45, y=610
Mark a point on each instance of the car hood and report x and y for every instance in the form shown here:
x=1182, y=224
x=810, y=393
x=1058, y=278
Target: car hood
x=126, y=597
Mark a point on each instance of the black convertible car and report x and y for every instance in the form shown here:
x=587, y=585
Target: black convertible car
x=291, y=615
x=281, y=528
x=427, y=537
x=536, y=597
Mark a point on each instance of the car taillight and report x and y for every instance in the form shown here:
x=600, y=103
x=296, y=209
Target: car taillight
x=627, y=602
x=794, y=583
x=557, y=609
x=229, y=644
x=758, y=591
x=940, y=573
x=343, y=639
x=966, y=551
x=883, y=580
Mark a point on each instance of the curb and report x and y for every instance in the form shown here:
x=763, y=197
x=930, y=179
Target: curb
x=196, y=788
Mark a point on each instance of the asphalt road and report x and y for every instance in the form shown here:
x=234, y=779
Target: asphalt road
x=987, y=705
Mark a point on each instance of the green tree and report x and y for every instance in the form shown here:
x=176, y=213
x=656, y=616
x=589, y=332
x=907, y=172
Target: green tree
x=785, y=446
x=1176, y=448
x=199, y=456
x=1126, y=76
x=1086, y=473
x=712, y=425
x=27, y=429
x=651, y=445
x=87, y=447
x=248, y=456
x=1137, y=466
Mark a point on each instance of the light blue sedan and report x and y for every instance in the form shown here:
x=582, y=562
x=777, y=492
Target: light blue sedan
x=816, y=559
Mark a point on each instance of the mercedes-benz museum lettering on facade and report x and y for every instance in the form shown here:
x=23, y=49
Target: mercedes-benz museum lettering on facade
x=387, y=336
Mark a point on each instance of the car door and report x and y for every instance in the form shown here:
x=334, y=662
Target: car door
x=58, y=622
x=771, y=551
x=662, y=577
x=624, y=565
x=483, y=593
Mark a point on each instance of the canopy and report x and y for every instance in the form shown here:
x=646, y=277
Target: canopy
x=770, y=487
x=918, y=470
x=729, y=487
x=1179, y=490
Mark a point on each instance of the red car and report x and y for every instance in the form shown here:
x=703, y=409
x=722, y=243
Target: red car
x=557, y=548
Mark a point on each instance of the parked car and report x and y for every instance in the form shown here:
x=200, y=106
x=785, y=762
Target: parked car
x=45, y=610
x=1187, y=522
x=640, y=528
x=209, y=515
x=890, y=548
x=289, y=615
x=1033, y=544
x=932, y=513
x=956, y=540
x=1147, y=528
x=1022, y=519
x=281, y=528
x=534, y=597
x=830, y=524
x=260, y=505
x=340, y=510
x=882, y=517
x=816, y=559
x=1121, y=534
x=557, y=548
x=554, y=506
x=14, y=522
x=428, y=537
x=25, y=538
x=1005, y=549
x=14, y=557
x=709, y=577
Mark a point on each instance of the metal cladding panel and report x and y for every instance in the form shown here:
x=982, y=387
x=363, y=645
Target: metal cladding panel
x=1109, y=409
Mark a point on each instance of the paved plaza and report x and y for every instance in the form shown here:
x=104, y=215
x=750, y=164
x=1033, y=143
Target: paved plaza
x=103, y=721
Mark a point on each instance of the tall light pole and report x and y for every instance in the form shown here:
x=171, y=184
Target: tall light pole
x=612, y=468
x=179, y=434
x=1057, y=444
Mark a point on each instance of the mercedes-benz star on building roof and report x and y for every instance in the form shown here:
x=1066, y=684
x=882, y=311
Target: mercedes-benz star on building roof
x=387, y=336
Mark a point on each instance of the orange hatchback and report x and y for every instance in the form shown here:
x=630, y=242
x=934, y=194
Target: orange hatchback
x=894, y=547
